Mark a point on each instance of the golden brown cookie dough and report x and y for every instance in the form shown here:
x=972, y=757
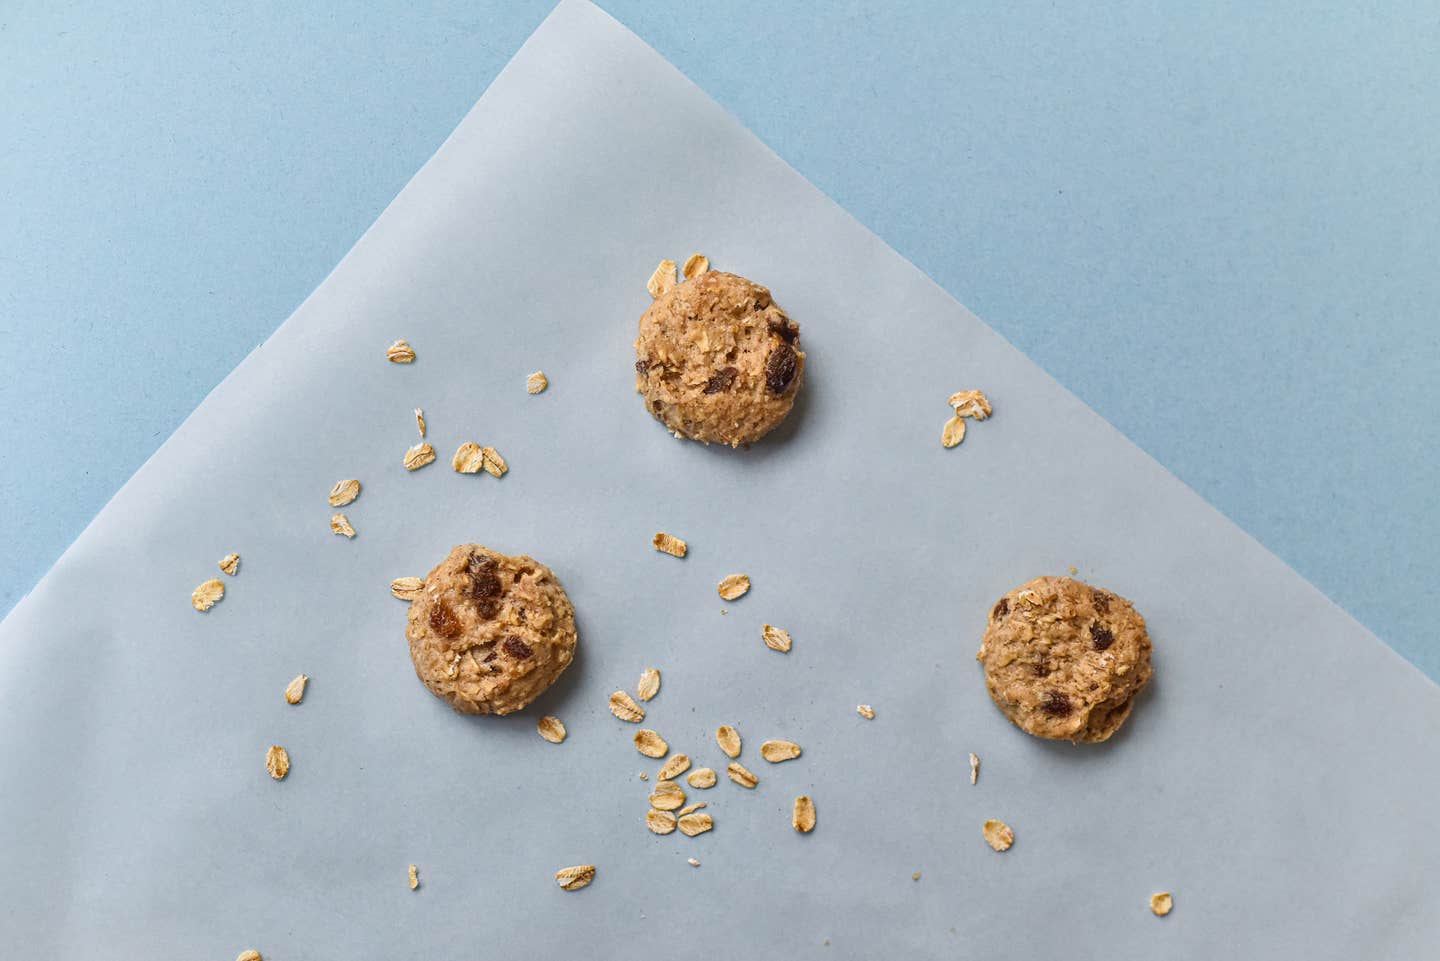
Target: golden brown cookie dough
x=1065, y=660
x=489, y=633
x=718, y=362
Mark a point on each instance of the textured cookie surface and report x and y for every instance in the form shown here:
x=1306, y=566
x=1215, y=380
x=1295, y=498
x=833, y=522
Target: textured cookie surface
x=1065, y=660
x=717, y=361
x=489, y=633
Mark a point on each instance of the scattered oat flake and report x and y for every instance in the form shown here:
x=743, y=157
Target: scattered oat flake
x=970, y=403
x=998, y=835
x=662, y=280
x=803, y=818
x=669, y=544
x=344, y=492
x=865, y=711
x=915, y=876
x=400, y=352
x=667, y=796
x=418, y=456
x=1160, y=904
x=701, y=777
x=248, y=956
x=295, y=690
x=207, y=595
x=277, y=762
x=729, y=740
x=414, y=877
x=407, y=588
x=468, y=459
x=644, y=776
x=650, y=744
x=777, y=751
x=649, y=684
x=695, y=265
x=623, y=706
x=974, y=768
x=230, y=564
x=693, y=824
x=536, y=382
x=340, y=524
x=954, y=431
x=734, y=587
x=551, y=728
x=690, y=808
x=775, y=639
x=573, y=879
x=740, y=775
x=673, y=768
x=693, y=862
x=420, y=421
x=493, y=463
x=660, y=822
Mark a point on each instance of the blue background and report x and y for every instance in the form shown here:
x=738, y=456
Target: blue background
x=1217, y=226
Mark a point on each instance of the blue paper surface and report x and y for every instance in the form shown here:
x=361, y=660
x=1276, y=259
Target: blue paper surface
x=1217, y=226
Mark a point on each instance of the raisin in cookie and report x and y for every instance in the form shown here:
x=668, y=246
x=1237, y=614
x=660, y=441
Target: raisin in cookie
x=489, y=633
x=1065, y=660
x=718, y=361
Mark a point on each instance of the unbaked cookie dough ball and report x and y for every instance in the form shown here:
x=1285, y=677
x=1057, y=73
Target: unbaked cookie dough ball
x=489, y=633
x=717, y=360
x=1065, y=660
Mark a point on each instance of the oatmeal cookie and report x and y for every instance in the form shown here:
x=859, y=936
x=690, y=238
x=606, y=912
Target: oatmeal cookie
x=1065, y=660
x=489, y=633
x=718, y=361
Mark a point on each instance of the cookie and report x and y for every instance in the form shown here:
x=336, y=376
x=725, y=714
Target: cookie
x=718, y=362
x=489, y=633
x=1065, y=660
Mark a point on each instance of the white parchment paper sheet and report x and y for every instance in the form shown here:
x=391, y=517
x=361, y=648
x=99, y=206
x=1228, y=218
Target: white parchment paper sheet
x=1280, y=776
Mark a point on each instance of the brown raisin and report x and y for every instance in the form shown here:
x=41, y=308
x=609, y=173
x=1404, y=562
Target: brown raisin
x=782, y=328
x=1101, y=600
x=1100, y=636
x=517, y=648
x=780, y=368
x=722, y=379
x=642, y=365
x=1000, y=609
x=1055, y=704
x=443, y=621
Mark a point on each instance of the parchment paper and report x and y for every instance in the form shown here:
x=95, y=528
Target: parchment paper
x=1279, y=777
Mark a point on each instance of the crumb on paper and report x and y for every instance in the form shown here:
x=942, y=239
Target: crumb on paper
x=418, y=456
x=344, y=492
x=998, y=835
x=575, y=878
x=915, y=876
x=551, y=728
x=693, y=862
x=662, y=280
x=734, y=587
x=865, y=711
x=1073, y=570
x=230, y=564
x=420, y=421
x=207, y=595
x=974, y=768
x=414, y=877
x=971, y=403
x=295, y=690
x=775, y=638
x=400, y=352
x=649, y=684
x=669, y=544
x=1161, y=903
x=536, y=382
x=277, y=762
x=695, y=265
x=340, y=524
x=407, y=588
